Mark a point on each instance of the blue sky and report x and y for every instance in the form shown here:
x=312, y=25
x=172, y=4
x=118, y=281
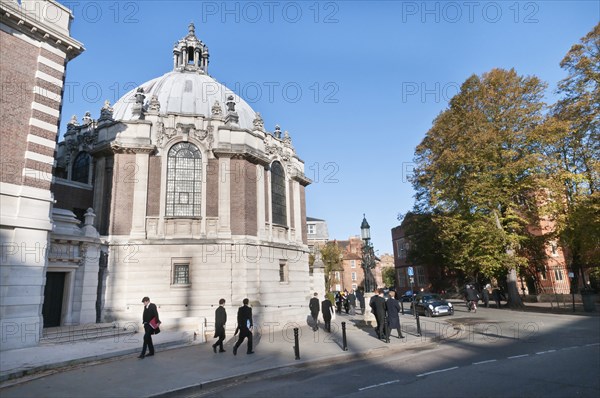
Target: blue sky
x=357, y=84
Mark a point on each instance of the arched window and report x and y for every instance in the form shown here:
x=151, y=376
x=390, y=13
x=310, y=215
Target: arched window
x=184, y=181
x=278, y=194
x=81, y=168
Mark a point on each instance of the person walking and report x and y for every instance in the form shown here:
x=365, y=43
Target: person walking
x=327, y=310
x=150, y=321
x=360, y=296
x=485, y=293
x=496, y=294
x=313, y=305
x=392, y=308
x=220, y=321
x=378, y=309
x=244, y=320
x=352, y=302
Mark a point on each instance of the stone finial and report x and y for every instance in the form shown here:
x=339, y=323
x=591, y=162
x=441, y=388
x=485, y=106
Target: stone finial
x=154, y=105
x=86, y=119
x=232, y=116
x=191, y=29
x=137, y=109
x=216, y=109
x=230, y=104
x=277, y=132
x=72, y=125
x=139, y=96
x=258, y=122
x=106, y=112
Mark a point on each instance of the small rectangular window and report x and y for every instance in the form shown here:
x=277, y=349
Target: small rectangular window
x=353, y=264
x=311, y=229
x=181, y=274
x=354, y=276
x=283, y=271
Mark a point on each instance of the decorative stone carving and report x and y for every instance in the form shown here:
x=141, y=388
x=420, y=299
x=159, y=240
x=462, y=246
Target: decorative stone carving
x=164, y=134
x=277, y=132
x=137, y=109
x=216, y=110
x=154, y=105
x=73, y=123
x=287, y=140
x=232, y=116
x=106, y=113
x=258, y=122
x=87, y=119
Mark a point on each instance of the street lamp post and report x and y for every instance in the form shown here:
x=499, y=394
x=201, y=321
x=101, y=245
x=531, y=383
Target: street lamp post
x=368, y=256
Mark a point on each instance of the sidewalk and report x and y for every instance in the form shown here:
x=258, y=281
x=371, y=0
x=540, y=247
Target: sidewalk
x=186, y=364
x=64, y=370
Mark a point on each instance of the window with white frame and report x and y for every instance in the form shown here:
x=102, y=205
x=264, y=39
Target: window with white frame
x=354, y=286
x=558, y=274
x=311, y=229
x=352, y=263
x=354, y=276
x=402, y=277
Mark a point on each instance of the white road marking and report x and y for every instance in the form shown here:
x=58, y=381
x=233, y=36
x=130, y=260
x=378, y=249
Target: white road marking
x=518, y=356
x=544, y=352
x=379, y=385
x=437, y=371
x=591, y=345
x=482, y=362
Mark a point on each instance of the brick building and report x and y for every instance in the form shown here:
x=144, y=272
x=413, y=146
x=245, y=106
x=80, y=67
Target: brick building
x=36, y=46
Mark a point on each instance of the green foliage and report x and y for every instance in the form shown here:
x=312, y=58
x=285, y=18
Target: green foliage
x=388, y=275
x=331, y=254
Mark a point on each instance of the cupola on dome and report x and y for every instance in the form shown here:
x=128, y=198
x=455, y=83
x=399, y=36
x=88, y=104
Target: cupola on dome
x=188, y=89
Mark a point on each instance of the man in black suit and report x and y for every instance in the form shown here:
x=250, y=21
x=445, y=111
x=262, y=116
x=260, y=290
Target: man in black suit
x=150, y=314
x=220, y=321
x=378, y=309
x=244, y=320
x=313, y=305
x=327, y=310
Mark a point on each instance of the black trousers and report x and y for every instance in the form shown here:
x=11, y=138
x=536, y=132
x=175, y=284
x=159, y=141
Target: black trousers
x=327, y=324
x=219, y=342
x=148, y=332
x=243, y=335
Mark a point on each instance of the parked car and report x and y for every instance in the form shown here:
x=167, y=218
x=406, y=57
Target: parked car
x=431, y=304
x=407, y=297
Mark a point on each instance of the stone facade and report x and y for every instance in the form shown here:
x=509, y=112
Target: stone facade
x=34, y=54
x=201, y=201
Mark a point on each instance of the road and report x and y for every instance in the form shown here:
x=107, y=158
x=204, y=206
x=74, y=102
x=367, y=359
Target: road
x=496, y=354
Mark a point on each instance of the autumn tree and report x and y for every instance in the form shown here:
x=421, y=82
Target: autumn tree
x=331, y=255
x=571, y=138
x=477, y=169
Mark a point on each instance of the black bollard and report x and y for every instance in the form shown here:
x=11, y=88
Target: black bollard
x=418, y=323
x=344, y=342
x=296, y=344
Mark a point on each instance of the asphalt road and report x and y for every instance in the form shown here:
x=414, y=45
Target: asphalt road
x=496, y=354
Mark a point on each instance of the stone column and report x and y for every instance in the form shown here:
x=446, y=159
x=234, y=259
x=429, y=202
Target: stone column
x=260, y=201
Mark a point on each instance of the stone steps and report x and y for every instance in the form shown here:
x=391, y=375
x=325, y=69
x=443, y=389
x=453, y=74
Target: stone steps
x=87, y=332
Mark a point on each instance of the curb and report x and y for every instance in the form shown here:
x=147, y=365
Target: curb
x=319, y=362
x=19, y=376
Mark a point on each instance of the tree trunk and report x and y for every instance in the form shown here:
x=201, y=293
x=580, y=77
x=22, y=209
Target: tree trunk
x=514, y=301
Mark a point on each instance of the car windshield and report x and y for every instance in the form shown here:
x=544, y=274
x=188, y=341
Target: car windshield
x=431, y=297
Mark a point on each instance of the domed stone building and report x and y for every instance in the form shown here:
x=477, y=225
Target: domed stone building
x=194, y=200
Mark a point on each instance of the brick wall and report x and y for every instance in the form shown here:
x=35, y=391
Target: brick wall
x=154, y=174
x=243, y=198
x=17, y=79
x=212, y=188
x=122, y=194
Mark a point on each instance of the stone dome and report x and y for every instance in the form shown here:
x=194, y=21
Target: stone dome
x=186, y=93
